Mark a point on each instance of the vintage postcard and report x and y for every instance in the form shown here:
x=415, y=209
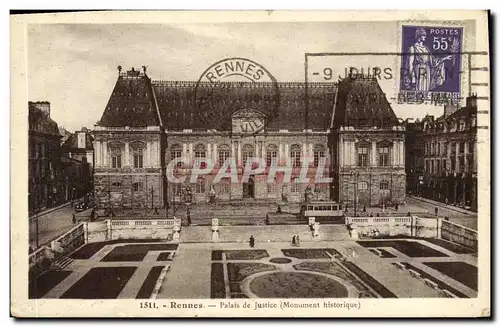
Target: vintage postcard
x=250, y=164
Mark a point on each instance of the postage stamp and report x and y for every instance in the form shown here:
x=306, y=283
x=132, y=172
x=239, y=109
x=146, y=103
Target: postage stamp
x=430, y=63
x=272, y=164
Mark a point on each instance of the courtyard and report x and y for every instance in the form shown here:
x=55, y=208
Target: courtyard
x=395, y=268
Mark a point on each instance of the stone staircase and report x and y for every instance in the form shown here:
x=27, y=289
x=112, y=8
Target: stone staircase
x=62, y=261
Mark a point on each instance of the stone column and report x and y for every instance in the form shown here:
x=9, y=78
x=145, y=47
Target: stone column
x=304, y=151
x=97, y=153
x=394, y=154
x=148, y=154
x=214, y=153
x=184, y=150
x=287, y=155
x=209, y=151
x=126, y=162
x=401, y=153
x=190, y=155
x=466, y=159
x=311, y=151
x=341, y=151
x=238, y=160
x=280, y=153
x=105, y=154
x=233, y=151
x=475, y=156
x=263, y=149
x=373, y=154
x=457, y=162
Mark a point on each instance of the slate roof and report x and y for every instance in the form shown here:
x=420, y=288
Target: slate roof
x=188, y=105
x=71, y=144
x=136, y=101
x=361, y=102
x=131, y=103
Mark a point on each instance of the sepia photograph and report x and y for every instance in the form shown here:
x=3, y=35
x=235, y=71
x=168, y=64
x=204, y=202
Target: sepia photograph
x=276, y=164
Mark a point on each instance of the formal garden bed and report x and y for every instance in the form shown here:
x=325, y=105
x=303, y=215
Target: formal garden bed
x=238, y=271
x=42, y=284
x=312, y=253
x=369, y=280
x=100, y=283
x=89, y=250
x=135, y=252
x=217, y=284
x=440, y=283
x=384, y=253
x=164, y=256
x=297, y=285
x=333, y=268
x=410, y=248
x=458, y=270
x=149, y=283
x=280, y=260
x=240, y=254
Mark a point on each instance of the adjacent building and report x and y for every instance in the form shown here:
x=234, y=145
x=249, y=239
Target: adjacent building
x=147, y=124
x=44, y=168
x=57, y=172
x=450, y=156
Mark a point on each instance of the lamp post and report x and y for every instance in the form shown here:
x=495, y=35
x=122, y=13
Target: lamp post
x=355, y=174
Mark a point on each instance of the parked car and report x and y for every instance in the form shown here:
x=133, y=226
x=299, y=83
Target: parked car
x=81, y=206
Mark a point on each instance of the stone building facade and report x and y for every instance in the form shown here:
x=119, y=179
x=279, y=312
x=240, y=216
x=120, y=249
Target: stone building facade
x=450, y=156
x=369, y=148
x=147, y=124
x=44, y=168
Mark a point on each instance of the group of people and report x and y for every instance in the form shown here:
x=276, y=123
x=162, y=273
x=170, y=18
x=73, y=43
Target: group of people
x=295, y=240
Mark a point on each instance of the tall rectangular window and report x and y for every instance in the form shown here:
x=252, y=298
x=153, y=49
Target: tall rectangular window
x=295, y=186
x=317, y=156
x=383, y=156
x=138, y=161
x=223, y=156
x=174, y=154
x=200, y=186
x=295, y=156
x=116, y=161
x=271, y=158
x=362, y=157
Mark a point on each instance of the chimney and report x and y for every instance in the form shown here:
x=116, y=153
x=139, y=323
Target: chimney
x=81, y=140
x=471, y=101
x=43, y=106
x=450, y=109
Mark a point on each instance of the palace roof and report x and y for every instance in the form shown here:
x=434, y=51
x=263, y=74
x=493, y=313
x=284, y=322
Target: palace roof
x=137, y=101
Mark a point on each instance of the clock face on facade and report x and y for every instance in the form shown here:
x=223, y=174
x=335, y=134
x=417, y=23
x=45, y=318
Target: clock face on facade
x=248, y=121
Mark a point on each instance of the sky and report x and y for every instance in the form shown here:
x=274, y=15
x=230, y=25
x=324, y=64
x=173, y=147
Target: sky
x=74, y=66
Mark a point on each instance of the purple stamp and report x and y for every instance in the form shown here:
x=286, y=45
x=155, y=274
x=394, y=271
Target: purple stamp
x=430, y=64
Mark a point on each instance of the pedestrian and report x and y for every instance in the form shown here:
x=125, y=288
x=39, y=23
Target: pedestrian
x=364, y=208
x=293, y=240
x=252, y=241
x=436, y=210
x=74, y=219
x=297, y=240
x=396, y=207
x=408, y=214
x=156, y=211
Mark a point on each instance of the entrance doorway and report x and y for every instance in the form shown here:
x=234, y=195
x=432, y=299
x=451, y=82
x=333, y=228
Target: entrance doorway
x=248, y=188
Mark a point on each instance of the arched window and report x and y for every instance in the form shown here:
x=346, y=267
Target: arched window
x=247, y=153
x=200, y=154
x=225, y=185
x=295, y=153
x=362, y=186
x=200, y=186
x=223, y=154
x=116, y=151
x=384, y=185
x=138, y=154
x=271, y=155
x=319, y=152
x=176, y=152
